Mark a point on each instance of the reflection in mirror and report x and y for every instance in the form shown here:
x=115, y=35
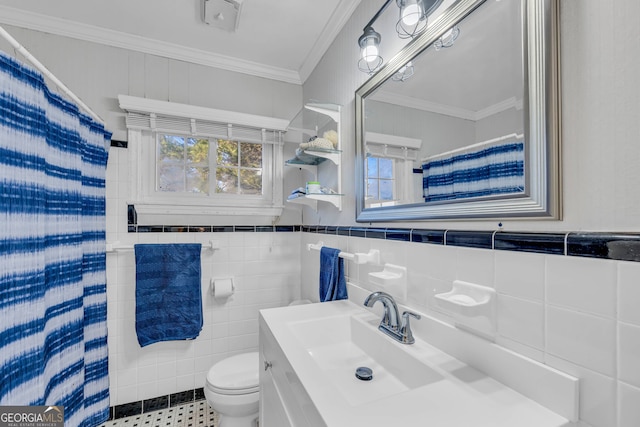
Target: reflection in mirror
x=463, y=122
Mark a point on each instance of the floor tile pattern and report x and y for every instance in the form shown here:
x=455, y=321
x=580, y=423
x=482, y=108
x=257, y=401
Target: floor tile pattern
x=194, y=414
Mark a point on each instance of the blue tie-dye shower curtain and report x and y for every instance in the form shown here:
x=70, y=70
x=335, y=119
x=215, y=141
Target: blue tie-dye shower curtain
x=53, y=305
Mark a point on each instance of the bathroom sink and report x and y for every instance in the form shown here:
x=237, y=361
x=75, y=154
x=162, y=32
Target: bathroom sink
x=312, y=353
x=338, y=345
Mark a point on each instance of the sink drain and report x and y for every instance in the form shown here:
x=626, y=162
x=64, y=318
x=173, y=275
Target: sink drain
x=363, y=373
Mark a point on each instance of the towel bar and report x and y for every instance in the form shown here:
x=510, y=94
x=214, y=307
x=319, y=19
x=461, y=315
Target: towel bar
x=373, y=256
x=114, y=247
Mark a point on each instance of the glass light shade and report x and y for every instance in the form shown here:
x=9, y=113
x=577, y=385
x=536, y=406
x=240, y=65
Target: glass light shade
x=370, y=51
x=448, y=38
x=411, y=13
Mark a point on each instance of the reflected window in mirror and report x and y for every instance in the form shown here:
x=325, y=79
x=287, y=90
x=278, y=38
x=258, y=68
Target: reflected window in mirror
x=381, y=181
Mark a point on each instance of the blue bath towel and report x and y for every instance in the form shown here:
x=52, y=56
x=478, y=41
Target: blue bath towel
x=168, y=292
x=333, y=285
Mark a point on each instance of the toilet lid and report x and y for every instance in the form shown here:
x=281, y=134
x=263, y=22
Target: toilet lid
x=235, y=375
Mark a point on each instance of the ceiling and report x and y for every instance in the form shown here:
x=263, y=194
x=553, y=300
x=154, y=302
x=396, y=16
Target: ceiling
x=282, y=40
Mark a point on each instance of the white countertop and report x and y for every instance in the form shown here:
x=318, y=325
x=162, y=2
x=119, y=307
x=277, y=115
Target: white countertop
x=461, y=397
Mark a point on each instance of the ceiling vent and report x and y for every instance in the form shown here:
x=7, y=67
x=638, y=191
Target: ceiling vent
x=223, y=14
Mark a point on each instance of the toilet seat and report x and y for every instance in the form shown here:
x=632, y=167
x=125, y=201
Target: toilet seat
x=235, y=375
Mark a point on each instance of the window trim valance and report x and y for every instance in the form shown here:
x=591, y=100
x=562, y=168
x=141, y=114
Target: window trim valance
x=164, y=116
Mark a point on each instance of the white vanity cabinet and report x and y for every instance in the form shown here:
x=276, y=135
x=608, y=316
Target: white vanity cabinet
x=283, y=400
x=320, y=164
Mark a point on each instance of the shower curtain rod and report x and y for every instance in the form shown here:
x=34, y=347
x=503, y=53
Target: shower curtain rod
x=32, y=59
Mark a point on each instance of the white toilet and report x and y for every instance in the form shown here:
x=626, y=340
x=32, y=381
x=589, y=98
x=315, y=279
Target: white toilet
x=232, y=389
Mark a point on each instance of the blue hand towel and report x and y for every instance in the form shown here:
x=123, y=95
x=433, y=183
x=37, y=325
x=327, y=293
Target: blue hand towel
x=333, y=285
x=168, y=292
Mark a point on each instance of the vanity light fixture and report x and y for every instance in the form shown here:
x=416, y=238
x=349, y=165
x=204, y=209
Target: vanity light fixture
x=412, y=22
x=369, y=43
x=403, y=73
x=448, y=38
x=413, y=18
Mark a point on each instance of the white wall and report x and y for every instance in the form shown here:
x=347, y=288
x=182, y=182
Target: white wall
x=572, y=313
x=438, y=132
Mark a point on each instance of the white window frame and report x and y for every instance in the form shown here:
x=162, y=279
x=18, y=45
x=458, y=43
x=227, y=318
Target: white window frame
x=158, y=207
x=404, y=151
x=393, y=177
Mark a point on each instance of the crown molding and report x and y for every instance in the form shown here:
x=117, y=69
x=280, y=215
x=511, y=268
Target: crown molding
x=338, y=20
x=434, y=107
x=93, y=34
x=421, y=104
x=499, y=107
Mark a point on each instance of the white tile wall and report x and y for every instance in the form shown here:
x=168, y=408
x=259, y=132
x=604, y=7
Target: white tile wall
x=578, y=315
x=629, y=353
x=266, y=272
x=629, y=408
x=582, y=284
x=587, y=340
x=628, y=292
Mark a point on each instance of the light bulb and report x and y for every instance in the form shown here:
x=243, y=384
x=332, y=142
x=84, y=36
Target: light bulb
x=370, y=53
x=411, y=14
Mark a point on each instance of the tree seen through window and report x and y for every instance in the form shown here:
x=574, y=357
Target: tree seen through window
x=184, y=163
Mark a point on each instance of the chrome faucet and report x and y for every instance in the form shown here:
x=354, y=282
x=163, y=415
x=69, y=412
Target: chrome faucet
x=390, y=320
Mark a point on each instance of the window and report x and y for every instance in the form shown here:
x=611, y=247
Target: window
x=380, y=179
x=239, y=168
x=389, y=170
x=184, y=165
x=192, y=163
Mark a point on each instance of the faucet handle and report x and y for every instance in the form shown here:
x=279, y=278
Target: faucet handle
x=406, y=314
x=405, y=327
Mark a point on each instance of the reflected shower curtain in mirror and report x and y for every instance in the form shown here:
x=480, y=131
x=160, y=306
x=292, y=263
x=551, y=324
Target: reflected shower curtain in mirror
x=488, y=168
x=53, y=305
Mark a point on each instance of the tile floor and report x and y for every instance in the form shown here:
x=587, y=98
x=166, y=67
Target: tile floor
x=194, y=414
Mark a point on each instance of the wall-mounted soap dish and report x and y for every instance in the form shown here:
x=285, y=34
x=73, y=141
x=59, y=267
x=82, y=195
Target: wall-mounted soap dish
x=392, y=279
x=472, y=306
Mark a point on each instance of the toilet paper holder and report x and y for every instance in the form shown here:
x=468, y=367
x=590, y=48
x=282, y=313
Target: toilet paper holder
x=222, y=287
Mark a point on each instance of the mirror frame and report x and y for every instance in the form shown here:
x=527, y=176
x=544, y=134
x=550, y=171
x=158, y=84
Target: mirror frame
x=541, y=109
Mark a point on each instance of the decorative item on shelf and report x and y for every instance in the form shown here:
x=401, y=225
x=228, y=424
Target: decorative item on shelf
x=298, y=192
x=313, y=187
x=329, y=141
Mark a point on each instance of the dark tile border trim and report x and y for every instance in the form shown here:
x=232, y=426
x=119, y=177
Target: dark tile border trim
x=469, y=239
x=544, y=243
x=613, y=246
x=602, y=245
x=620, y=246
x=155, y=403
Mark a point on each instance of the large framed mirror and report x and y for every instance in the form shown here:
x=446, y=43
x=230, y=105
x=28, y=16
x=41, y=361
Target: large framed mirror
x=471, y=130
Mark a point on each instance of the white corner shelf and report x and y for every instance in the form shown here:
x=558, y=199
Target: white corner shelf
x=312, y=200
x=323, y=117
